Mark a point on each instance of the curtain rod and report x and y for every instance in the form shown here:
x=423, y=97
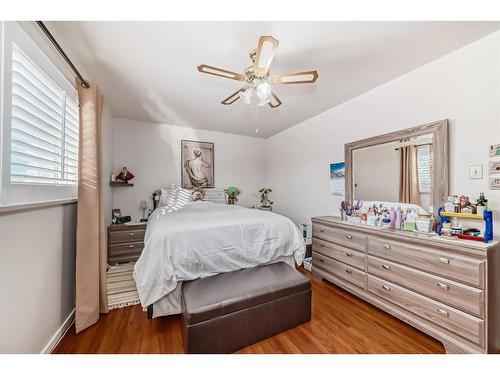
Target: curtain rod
x=47, y=33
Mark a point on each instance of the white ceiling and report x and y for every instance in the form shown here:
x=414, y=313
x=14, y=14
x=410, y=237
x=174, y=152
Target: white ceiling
x=147, y=70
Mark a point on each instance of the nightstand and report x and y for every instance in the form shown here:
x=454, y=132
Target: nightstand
x=125, y=242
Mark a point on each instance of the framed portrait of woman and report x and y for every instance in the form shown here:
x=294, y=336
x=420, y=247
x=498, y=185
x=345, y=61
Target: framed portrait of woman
x=197, y=164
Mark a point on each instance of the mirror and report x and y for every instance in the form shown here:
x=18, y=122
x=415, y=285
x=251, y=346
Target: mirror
x=408, y=167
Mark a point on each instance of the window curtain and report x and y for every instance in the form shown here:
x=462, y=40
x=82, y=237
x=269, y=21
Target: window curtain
x=408, y=181
x=91, y=257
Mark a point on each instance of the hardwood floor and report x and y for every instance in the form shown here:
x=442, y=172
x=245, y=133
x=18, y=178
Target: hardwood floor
x=341, y=323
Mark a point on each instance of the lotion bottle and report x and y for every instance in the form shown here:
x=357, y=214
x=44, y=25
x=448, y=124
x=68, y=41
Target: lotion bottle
x=392, y=216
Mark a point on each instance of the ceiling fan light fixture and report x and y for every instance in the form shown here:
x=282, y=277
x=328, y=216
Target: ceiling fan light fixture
x=247, y=95
x=263, y=90
x=257, y=77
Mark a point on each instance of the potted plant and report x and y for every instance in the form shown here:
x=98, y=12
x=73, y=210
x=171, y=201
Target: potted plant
x=232, y=192
x=265, y=202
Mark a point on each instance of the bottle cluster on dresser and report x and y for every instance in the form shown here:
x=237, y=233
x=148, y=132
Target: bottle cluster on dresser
x=409, y=219
x=462, y=204
x=461, y=207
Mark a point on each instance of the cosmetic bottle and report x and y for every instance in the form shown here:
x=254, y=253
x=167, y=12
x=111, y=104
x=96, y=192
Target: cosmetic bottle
x=392, y=216
x=448, y=206
x=483, y=200
x=397, y=223
x=480, y=207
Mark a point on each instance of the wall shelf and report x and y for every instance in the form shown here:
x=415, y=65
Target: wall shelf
x=462, y=215
x=113, y=183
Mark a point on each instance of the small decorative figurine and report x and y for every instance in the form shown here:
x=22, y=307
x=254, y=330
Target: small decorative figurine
x=232, y=192
x=124, y=176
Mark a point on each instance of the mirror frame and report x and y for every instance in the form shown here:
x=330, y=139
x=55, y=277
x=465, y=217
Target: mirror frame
x=439, y=131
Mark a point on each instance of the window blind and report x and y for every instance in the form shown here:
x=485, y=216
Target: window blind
x=44, y=136
x=424, y=162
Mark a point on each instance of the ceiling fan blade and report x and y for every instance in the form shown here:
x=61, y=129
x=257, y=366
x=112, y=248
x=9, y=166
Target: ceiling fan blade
x=220, y=72
x=275, y=101
x=291, y=78
x=266, y=48
x=232, y=98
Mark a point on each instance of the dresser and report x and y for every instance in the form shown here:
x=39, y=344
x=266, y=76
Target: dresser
x=449, y=289
x=125, y=242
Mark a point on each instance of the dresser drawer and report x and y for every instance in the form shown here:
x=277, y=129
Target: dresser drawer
x=121, y=253
x=467, y=270
x=456, y=321
x=352, y=240
x=352, y=257
x=339, y=269
x=462, y=296
x=131, y=235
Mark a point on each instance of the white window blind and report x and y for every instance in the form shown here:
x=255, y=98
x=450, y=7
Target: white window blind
x=44, y=135
x=424, y=163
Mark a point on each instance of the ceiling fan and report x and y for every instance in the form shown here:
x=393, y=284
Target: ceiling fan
x=258, y=78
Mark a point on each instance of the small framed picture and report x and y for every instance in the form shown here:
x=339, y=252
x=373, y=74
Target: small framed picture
x=494, y=167
x=494, y=183
x=115, y=214
x=495, y=150
x=475, y=172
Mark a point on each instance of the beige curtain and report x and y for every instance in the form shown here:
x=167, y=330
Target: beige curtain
x=408, y=181
x=91, y=296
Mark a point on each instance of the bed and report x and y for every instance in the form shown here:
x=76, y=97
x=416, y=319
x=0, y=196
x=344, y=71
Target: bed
x=186, y=240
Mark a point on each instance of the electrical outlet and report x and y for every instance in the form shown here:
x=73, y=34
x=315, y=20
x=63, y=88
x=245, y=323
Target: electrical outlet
x=475, y=172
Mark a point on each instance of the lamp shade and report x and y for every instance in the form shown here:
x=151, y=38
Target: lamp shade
x=143, y=204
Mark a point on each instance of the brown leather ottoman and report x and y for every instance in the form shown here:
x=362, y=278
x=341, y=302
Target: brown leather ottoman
x=229, y=311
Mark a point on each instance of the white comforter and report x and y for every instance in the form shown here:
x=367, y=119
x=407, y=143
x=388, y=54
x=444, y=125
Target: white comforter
x=202, y=239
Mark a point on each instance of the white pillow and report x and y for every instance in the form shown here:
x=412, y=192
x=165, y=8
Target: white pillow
x=174, y=195
x=215, y=196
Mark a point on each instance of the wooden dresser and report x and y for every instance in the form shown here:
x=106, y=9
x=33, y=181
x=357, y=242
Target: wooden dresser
x=125, y=242
x=445, y=288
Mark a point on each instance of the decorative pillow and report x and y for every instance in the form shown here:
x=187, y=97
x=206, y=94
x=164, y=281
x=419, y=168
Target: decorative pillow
x=198, y=194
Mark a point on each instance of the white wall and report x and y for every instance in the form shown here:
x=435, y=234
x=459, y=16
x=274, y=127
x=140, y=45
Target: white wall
x=152, y=153
x=463, y=86
x=37, y=274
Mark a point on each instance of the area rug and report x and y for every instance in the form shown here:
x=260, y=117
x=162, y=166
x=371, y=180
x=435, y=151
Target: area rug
x=122, y=291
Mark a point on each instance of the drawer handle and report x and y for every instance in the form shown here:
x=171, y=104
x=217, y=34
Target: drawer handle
x=442, y=312
x=444, y=260
x=321, y=230
x=131, y=233
x=321, y=245
x=322, y=260
x=386, y=246
x=348, y=236
x=443, y=286
x=348, y=254
x=386, y=266
x=348, y=271
x=130, y=246
x=386, y=288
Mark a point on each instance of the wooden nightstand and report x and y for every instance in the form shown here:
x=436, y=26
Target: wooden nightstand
x=125, y=242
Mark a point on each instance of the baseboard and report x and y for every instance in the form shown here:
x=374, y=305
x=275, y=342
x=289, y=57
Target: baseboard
x=59, y=334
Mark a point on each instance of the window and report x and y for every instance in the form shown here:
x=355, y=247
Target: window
x=44, y=133
x=424, y=163
x=39, y=128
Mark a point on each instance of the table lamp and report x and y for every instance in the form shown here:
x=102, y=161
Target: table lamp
x=144, y=206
